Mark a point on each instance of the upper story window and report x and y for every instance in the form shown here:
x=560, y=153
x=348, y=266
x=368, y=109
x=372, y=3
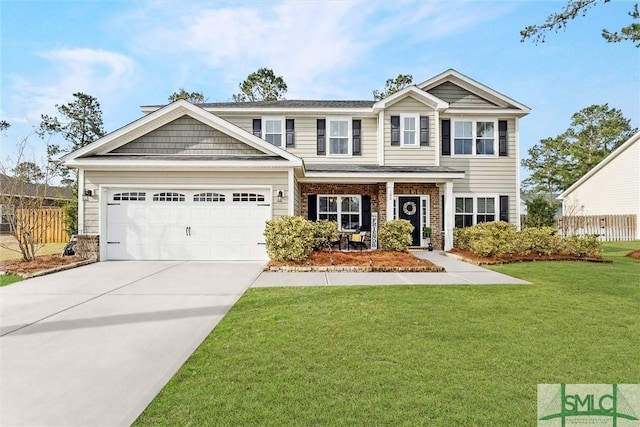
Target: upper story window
x=409, y=131
x=339, y=136
x=465, y=133
x=277, y=131
x=273, y=127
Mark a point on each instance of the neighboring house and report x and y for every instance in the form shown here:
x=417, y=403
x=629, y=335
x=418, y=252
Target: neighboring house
x=12, y=191
x=198, y=182
x=612, y=187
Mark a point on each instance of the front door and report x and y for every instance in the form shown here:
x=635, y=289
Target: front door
x=410, y=210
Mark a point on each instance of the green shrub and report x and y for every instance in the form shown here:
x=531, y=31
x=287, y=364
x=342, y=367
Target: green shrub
x=289, y=238
x=461, y=238
x=491, y=239
x=395, y=235
x=324, y=232
x=586, y=245
x=540, y=212
x=542, y=241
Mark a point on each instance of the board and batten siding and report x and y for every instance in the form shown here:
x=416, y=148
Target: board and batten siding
x=186, y=135
x=612, y=190
x=178, y=180
x=409, y=156
x=489, y=174
x=306, y=137
x=458, y=97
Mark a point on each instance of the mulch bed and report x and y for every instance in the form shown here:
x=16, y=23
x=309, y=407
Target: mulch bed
x=356, y=261
x=634, y=254
x=470, y=257
x=40, y=264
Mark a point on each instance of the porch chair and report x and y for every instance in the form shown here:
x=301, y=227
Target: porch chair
x=357, y=240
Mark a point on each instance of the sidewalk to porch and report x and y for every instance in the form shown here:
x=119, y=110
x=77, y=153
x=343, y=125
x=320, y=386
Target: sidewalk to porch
x=457, y=273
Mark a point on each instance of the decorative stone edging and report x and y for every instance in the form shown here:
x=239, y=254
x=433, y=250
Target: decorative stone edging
x=352, y=269
x=501, y=262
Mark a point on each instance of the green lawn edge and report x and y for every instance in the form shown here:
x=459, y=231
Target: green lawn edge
x=412, y=355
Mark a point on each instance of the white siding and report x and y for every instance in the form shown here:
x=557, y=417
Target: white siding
x=613, y=190
x=306, y=138
x=93, y=179
x=489, y=175
x=405, y=156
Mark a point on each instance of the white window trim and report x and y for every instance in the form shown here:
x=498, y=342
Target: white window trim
x=475, y=197
x=339, y=206
x=416, y=118
x=474, y=130
x=349, y=121
x=283, y=130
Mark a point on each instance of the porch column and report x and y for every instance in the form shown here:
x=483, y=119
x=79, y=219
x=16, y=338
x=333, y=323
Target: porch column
x=390, y=196
x=448, y=215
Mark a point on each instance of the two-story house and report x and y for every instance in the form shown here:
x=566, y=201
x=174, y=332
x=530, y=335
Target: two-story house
x=198, y=182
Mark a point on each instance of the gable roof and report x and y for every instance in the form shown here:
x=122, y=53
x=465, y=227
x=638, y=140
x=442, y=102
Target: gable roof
x=415, y=93
x=475, y=88
x=615, y=153
x=112, y=141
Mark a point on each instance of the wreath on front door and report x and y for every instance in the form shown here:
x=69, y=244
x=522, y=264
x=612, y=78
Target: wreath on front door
x=409, y=208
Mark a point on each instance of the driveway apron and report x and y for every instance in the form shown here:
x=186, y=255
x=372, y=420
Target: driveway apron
x=92, y=346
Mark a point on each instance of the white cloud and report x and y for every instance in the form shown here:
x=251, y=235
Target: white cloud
x=313, y=44
x=100, y=73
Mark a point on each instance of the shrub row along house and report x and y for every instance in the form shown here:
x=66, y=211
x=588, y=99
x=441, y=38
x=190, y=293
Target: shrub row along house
x=191, y=182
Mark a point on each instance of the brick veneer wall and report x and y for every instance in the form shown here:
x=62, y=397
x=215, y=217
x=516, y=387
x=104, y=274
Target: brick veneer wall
x=378, y=194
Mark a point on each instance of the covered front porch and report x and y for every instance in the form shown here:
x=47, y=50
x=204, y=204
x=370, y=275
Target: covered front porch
x=362, y=198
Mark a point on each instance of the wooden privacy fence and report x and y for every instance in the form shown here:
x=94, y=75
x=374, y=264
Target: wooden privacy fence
x=609, y=227
x=47, y=224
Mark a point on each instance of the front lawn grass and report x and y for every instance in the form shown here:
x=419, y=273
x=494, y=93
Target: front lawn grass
x=414, y=355
x=7, y=279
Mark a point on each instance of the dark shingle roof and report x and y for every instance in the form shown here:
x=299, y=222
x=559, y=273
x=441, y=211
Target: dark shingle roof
x=285, y=103
x=378, y=169
x=184, y=158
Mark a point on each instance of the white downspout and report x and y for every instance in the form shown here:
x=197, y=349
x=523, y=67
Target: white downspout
x=81, y=201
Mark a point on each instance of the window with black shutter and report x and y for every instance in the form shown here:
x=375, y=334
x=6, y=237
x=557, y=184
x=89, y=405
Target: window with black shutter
x=290, y=129
x=504, y=208
x=446, y=137
x=424, y=131
x=395, y=130
x=321, y=143
x=257, y=127
x=356, y=130
x=502, y=138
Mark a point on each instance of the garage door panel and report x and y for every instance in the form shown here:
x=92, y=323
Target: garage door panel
x=190, y=229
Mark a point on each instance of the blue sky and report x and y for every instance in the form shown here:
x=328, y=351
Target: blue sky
x=129, y=54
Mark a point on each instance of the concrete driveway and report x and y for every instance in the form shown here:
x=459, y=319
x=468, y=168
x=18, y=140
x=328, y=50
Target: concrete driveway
x=92, y=346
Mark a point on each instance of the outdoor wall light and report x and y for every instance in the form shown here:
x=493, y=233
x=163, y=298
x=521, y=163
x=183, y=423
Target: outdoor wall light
x=280, y=195
x=86, y=195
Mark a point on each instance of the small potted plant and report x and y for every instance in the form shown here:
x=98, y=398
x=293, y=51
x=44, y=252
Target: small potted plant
x=426, y=232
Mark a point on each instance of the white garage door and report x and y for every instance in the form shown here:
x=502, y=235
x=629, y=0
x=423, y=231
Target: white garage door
x=187, y=225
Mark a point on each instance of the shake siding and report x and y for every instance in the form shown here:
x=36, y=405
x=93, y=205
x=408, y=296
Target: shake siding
x=306, y=138
x=181, y=179
x=488, y=175
x=459, y=97
x=404, y=156
x=613, y=190
x=186, y=135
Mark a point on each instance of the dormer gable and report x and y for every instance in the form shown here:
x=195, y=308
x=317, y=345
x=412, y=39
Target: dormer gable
x=462, y=92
